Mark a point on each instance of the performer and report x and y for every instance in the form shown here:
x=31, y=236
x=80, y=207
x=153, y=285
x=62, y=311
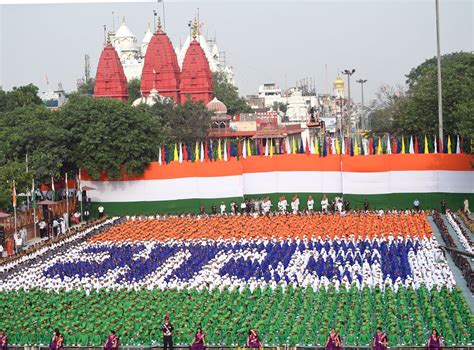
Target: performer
x=253, y=341
x=434, y=340
x=3, y=341
x=198, y=341
x=380, y=340
x=324, y=204
x=112, y=342
x=55, y=341
x=333, y=342
x=310, y=203
x=167, y=329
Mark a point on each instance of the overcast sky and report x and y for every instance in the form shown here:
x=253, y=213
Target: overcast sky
x=264, y=41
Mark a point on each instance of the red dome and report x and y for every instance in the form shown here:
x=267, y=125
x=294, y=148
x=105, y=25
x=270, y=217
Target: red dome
x=196, y=76
x=110, y=80
x=161, y=70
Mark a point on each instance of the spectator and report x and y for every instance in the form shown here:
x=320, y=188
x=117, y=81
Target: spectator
x=443, y=206
x=416, y=205
x=86, y=214
x=42, y=228
x=366, y=205
x=214, y=209
x=101, y=211
x=202, y=210
x=466, y=206
x=243, y=207
x=55, y=227
x=222, y=207
x=324, y=204
x=310, y=203
x=18, y=242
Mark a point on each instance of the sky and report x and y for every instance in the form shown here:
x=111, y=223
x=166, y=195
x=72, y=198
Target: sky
x=264, y=41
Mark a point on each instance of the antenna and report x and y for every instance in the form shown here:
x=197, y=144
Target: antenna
x=113, y=21
x=87, y=68
x=105, y=33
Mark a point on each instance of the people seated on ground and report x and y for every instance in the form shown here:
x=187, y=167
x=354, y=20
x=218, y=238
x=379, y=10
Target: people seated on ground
x=253, y=341
x=199, y=340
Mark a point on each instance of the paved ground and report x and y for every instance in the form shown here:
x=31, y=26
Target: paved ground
x=456, y=239
x=458, y=277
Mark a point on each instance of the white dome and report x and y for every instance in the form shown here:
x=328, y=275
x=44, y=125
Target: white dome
x=148, y=36
x=124, y=31
x=149, y=100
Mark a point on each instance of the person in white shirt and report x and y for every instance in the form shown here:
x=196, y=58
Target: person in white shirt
x=101, y=211
x=295, y=204
x=282, y=205
x=18, y=242
x=243, y=207
x=55, y=227
x=324, y=204
x=310, y=203
x=222, y=208
x=42, y=228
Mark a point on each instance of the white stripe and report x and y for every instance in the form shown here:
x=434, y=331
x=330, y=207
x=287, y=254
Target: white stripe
x=283, y=182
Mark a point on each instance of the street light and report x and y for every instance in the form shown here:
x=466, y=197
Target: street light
x=363, y=123
x=348, y=72
x=440, y=92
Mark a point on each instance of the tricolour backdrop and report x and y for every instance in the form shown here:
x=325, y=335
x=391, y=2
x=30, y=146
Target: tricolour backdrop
x=387, y=181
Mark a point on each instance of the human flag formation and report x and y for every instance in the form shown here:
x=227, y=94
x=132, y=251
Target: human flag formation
x=292, y=278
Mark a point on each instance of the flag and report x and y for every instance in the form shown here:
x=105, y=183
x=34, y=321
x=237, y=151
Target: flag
x=403, y=145
x=343, y=145
x=427, y=149
x=311, y=147
x=219, y=150
x=440, y=145
x=325, y=147
x=180, y=152
x=458, y=145
x=67, y=188
x=389, y=146
x=338, y=148
x=283, y=146
x=202, y=153
x=293, y=141
x=14, y=195
x=175, y=155
x=249, y=150
x=356, y=147
x=301, y=147
x=306, y=149
x=53, y=191
x=185, y=152
x=271, y=148
x=330, y=146
x=225, y=151
x=233, y=153
x=239, y=149
x=244, y=150
x=196, y=152
x=206, y=152
x=351, y=152
x=435, y=145
x=167, y=154
x=379, y=146
x=159, y=156
x=266, y=147
x=316, y=144
x=449, y=144
x=410, y=148
x=417, y=146
x=33, y=195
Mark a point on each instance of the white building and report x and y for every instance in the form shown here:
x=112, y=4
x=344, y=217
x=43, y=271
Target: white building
x=271, y=93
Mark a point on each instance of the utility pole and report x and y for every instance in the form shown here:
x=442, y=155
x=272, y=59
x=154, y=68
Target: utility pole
x=440, y=91
x=363, y=124
x=348, y=72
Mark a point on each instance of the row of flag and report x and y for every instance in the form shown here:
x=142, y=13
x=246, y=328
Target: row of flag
x=321, y=145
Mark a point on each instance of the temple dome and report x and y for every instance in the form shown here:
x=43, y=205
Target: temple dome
x=110, y=80
x=124, y=31
x=160, y=69
x=196, y=76
x=149, y=100
x=339, y=82
x=216, y=106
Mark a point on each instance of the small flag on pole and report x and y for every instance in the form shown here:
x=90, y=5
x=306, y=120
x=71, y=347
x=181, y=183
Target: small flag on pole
x=14, y=195
x=53, y=191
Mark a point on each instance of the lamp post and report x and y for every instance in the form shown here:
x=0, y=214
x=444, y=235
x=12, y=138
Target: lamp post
x=440, y=94
x=363, y=124
x=348, y=72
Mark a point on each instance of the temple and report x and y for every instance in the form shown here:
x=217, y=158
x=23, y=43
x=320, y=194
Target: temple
x=161, y=69
x=110, y=80
x=196, y=76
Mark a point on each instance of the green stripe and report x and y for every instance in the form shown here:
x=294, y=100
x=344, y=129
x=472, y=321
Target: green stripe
x=385, y=201
x=293, y=316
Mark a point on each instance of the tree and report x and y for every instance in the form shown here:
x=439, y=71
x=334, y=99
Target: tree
x=110, y=136
x=19, y=97
x=188, y=122
x=87, y=87
x=387, y=109
x=417, y=110
x=134, y=91
x=13, y=171
x=229, y=95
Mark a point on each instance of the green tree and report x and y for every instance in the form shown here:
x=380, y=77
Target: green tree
x=10, y=171
x=134, y=90
x=229, y=95
x=22, y=96
x=417, y=110
x=87, y=87
x=109, y=136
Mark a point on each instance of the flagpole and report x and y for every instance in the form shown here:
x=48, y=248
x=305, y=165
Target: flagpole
x=67, y=205
x=80, y=192
x=34, y=205
x=14, y=204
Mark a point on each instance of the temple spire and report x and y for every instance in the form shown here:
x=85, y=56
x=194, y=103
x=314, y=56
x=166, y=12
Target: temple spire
x=159, y=27
x=196, y=28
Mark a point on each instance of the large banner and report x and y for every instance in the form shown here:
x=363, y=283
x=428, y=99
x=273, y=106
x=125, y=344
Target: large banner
x=406, y=177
